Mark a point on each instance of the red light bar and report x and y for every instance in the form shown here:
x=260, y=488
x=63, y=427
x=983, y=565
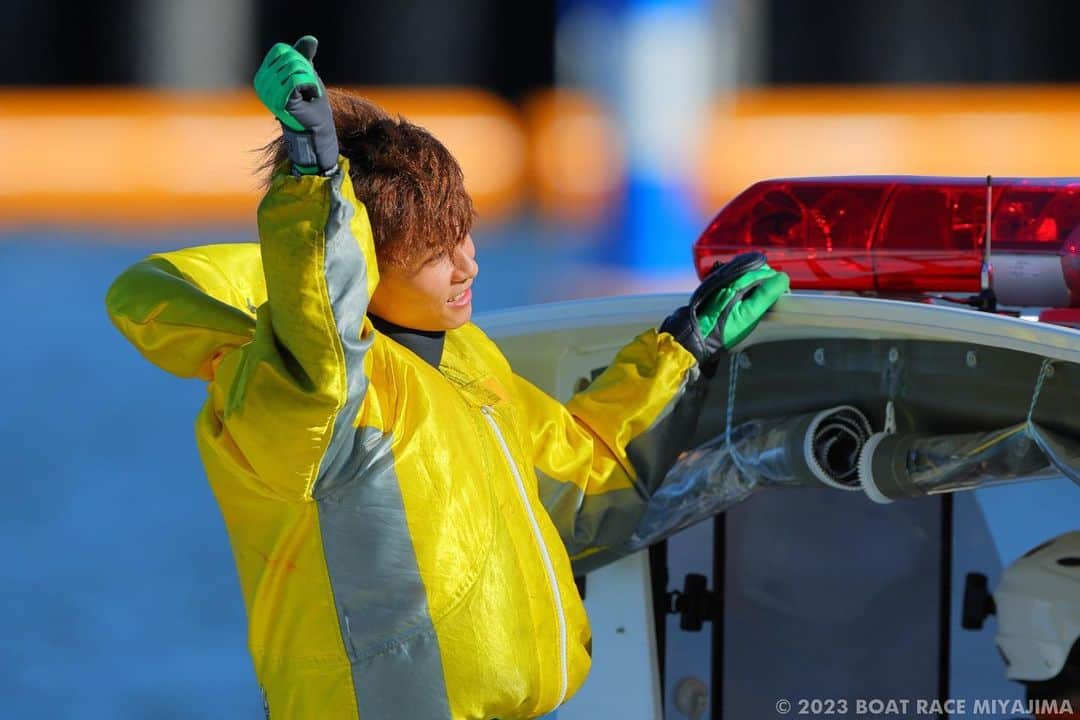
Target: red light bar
x=904, y=236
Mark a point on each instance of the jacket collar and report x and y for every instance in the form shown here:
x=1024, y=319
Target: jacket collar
x=426, y=344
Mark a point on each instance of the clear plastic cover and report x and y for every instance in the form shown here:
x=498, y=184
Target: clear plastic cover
x=895, y=465
x=913, y=392
x=819, y=448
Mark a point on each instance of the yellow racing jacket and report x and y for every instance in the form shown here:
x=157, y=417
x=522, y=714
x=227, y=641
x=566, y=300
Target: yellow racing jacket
x=403, y=534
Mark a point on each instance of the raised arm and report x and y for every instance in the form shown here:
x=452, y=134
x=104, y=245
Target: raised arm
x=279, y=328
x=185, y=310
x=287, y=402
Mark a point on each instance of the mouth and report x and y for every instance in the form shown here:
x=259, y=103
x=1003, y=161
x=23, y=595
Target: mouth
x=461, y=299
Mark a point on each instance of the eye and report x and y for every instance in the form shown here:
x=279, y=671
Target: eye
x=436, y=257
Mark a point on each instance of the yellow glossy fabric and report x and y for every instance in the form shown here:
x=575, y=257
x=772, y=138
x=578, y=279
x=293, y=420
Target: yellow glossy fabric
x=423, y=470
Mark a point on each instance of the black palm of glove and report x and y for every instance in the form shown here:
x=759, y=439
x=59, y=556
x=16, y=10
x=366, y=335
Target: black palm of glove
x=288, y=86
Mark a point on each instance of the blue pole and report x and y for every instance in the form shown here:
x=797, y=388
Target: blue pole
x=648, y=60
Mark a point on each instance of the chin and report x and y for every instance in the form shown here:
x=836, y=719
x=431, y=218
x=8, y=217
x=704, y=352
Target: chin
x=459, y=318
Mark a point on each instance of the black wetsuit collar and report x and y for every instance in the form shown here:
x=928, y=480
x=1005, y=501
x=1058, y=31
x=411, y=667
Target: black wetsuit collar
x=427, y=344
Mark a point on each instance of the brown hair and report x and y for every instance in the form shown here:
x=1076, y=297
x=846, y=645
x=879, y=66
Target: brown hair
x=409, y=182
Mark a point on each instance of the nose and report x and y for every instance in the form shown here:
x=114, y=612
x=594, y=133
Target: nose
x=465, y=260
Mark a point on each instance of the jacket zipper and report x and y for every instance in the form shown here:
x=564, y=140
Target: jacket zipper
x=548, y=565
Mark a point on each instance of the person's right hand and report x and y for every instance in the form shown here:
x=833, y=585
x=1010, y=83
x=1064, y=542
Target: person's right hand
x=289, y=87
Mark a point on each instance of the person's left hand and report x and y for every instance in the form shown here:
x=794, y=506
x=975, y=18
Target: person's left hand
x=727, y=306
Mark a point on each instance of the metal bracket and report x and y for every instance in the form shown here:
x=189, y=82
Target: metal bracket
x=695, y=604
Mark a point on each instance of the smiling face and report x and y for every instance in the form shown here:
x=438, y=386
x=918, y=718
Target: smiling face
x=435, y=295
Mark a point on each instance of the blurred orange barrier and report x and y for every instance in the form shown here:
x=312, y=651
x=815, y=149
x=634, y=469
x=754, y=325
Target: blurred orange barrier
x=575, y=155
x=972, y=131
x=130, y=156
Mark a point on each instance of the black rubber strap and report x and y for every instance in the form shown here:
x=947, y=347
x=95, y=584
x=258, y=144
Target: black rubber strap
x=723, y=274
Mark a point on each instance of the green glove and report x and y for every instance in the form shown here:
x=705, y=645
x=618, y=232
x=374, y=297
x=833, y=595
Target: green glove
x=743, y=302
x=289, y=87
x=285, y=70
x=726, y=307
